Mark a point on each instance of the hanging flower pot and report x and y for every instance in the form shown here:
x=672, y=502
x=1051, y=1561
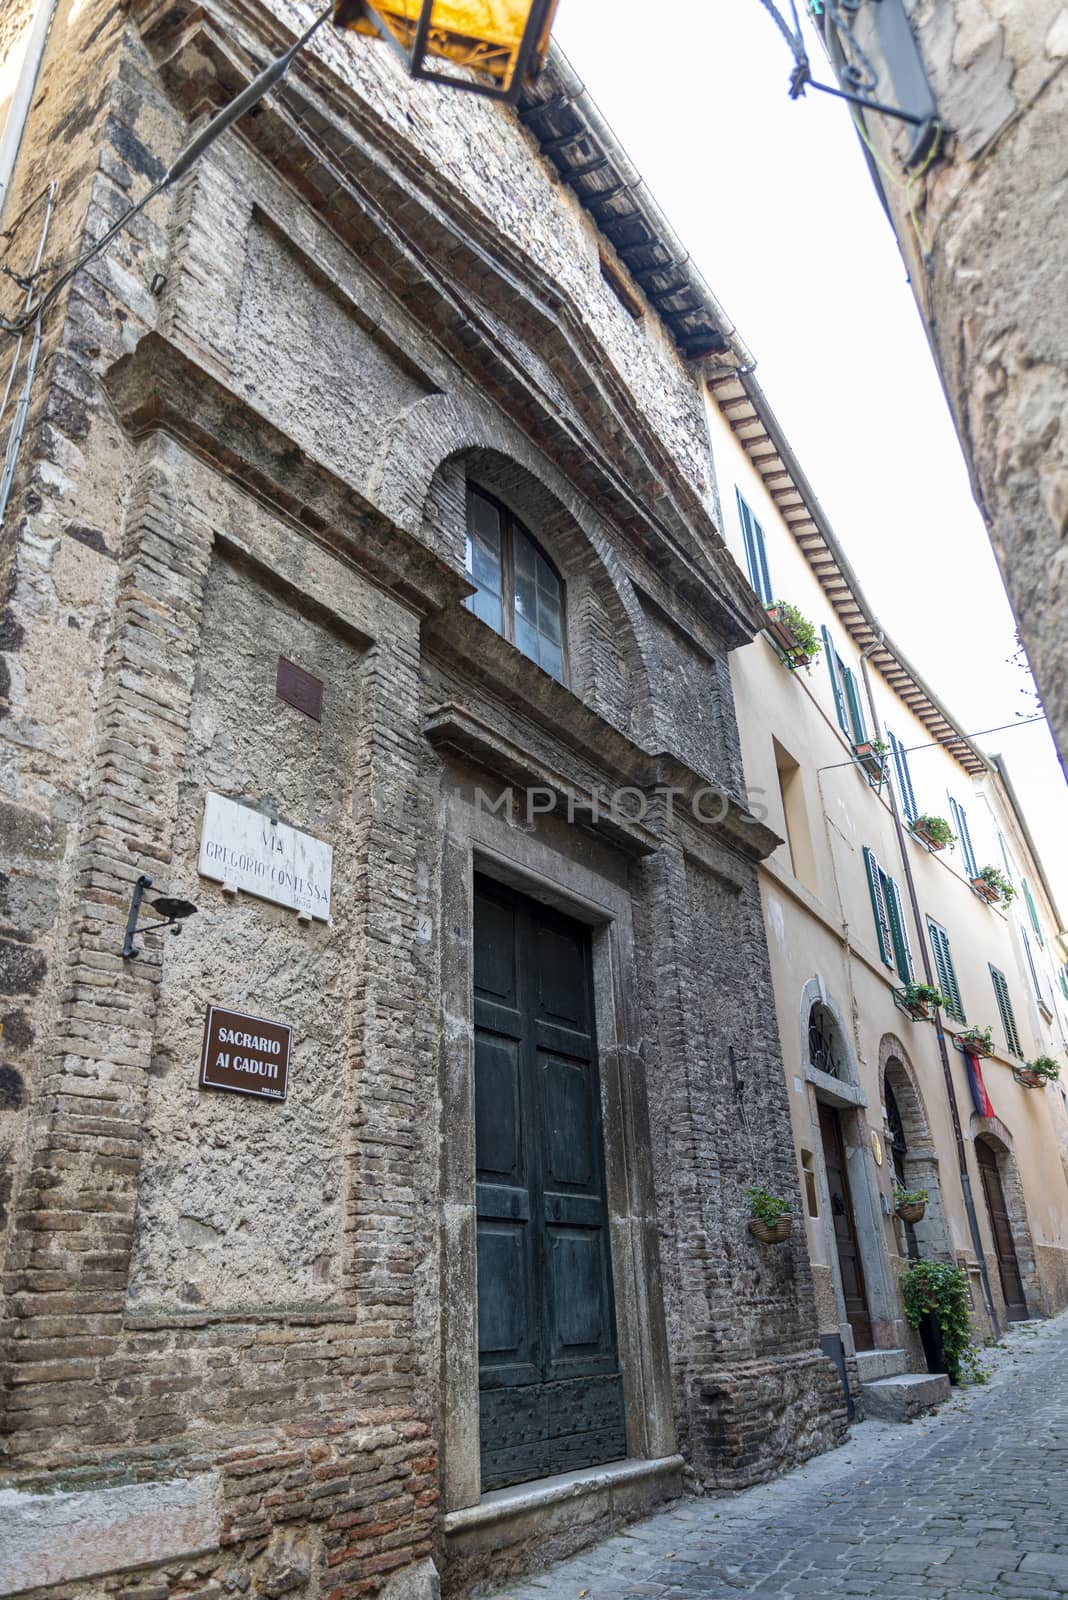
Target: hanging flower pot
x=772, y=1232
x=1029, y=1079
x=910, y=1204
x=771, y=1219
x=794, y=636
x=934, y=832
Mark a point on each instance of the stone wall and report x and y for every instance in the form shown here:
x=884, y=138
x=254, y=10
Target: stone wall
x=249, y=441
x=983, y=256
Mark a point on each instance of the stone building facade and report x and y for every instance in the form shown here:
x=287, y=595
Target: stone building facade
x=371, y=347
x=983, y=231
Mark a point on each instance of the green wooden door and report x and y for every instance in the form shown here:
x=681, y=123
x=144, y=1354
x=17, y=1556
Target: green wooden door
x=551, y=1392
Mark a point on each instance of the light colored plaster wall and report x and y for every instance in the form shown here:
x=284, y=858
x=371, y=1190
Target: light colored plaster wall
x=835, y=924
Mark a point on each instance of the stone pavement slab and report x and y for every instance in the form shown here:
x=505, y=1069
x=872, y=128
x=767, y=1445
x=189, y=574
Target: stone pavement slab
x=969, y=1504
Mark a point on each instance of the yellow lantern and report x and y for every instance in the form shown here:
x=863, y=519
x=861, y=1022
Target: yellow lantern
x=504, y=41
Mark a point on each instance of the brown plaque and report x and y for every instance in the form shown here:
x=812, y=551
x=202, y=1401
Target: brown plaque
x=298, y=688
x=245, y=1054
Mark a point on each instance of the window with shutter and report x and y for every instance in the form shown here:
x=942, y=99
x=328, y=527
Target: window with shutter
x=1005, y=857
x=1033, y=914
x=898, y=929
x=1036, y=981
x=960, y=828
x=904, y=778
x=834, y=667
x=883, y=935
x=756, y=553
x=947, y=975
x=856, y=709
x=1008, y=1016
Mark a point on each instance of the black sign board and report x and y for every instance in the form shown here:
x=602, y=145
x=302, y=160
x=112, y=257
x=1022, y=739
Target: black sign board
x=245, y=1054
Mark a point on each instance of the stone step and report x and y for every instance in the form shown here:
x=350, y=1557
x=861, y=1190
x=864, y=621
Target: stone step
x=904, y=1396
x=872, y=1364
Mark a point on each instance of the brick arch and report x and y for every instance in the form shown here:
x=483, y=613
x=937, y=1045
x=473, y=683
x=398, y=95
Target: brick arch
x=922, y=1168
x=418, y=479
x=992, y=1132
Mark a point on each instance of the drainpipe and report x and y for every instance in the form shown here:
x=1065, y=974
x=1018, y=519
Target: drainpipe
x=928, y=972
x=19, y=109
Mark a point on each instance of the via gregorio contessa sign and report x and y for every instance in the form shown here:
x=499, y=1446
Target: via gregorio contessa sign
x=246, y=1054
x=247, y=850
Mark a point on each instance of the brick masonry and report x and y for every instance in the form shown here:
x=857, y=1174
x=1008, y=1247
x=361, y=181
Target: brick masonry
x=370, y=292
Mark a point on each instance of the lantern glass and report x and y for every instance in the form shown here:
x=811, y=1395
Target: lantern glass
x=506, y=40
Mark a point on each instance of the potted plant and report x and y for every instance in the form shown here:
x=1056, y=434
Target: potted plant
x=796, y=637
x=934, y=832
x=919, y=999
x=936, y=1291
x=909, y=1204
x=993, y=886
x=871, y=753
x=771, y=1219
x=1037, y=1073
x=976, y=1041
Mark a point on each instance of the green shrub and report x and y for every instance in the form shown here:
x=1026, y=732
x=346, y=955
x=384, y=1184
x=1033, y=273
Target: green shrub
x=935, y=1288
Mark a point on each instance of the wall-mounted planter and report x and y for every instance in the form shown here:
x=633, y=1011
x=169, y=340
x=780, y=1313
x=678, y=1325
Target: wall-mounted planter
x=974, y=1044
x=1029, y=1079
x=785, y=638
x=871, y=759
x=772, y=1232
x=986, y=891
x=919, y=830
x=917, y=1009
x=911, y=1211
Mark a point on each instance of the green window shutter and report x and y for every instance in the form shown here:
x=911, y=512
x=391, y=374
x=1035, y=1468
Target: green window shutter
x=856, y=710
x=947, y=976
x=960, y=828
x=898, y=929
x=883, y=935
x=1008, y=1018
x=835, y=670
x=1031, y=965
x=756, y=555
x=904, y=778
x=1033, y=914
x=1005, y=857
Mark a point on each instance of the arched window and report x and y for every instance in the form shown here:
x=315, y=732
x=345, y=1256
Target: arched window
x=825, y=1052
x=517, y=589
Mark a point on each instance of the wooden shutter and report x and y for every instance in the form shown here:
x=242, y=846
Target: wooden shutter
x=960, y=828
x=1008, y=1017
x=856, y=710
x=884, y=937
x=834, y=668
x=904, y=778
x=1033, y=914
x=898, y=929
x=1033, y=969
x=756, y=554
x=947, y=976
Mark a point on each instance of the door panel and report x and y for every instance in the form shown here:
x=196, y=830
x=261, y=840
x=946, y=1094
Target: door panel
x=551, y=1393
x=1001, y=1227
x=845, y=1230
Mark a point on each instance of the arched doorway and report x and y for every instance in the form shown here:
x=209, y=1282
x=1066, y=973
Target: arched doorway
x=899, y=1149
x=826, y=1055
x=1001, y=1227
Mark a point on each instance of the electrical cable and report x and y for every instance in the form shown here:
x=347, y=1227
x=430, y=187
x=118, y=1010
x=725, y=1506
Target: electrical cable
x=186, y=157
x=932, y=743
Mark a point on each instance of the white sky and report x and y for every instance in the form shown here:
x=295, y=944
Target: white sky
x=772, y=198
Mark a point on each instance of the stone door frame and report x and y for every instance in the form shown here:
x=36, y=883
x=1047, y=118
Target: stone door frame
x=540, y=866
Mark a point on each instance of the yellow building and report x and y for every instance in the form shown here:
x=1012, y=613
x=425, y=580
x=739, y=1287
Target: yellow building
x=872, y=1088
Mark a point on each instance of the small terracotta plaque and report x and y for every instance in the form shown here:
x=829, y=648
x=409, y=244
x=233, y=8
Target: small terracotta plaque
x=245, y=1054
x=299, y=688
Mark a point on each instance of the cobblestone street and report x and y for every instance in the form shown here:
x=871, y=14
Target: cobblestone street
x=970, y=1503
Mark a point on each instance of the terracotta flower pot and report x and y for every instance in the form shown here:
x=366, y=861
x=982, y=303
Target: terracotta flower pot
x=1030, y=1080
x=986, y=891
x=920, y=832
x=912, y=1210
x=772, y=1232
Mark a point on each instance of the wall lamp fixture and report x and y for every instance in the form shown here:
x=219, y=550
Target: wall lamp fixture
x=172, y=911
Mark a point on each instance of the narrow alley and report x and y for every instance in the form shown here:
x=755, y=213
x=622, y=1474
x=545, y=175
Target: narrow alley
x=964, y=1505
